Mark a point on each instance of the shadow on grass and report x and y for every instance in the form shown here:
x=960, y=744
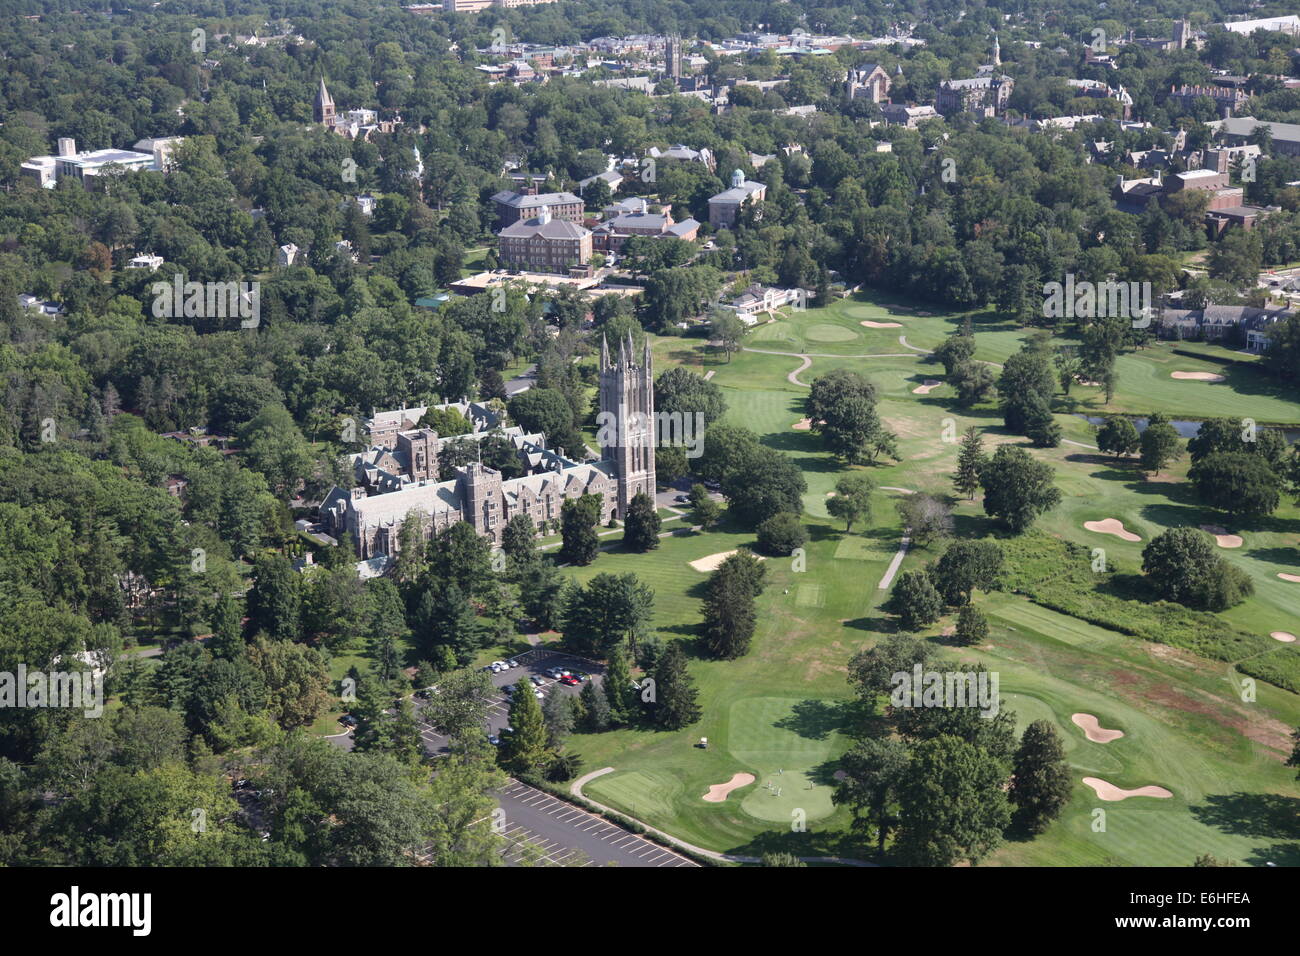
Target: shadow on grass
x=1260, y=815
x=815, y=719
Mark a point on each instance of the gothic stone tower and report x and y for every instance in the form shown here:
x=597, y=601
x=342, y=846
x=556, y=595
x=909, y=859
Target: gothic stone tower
x=627, y=394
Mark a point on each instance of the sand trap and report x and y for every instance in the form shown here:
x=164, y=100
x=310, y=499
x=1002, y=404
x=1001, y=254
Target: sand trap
x=1221, y=535
x=882, y=325
x=711, y=562
x=1111, y=526
x=718, y=792
x=1089, y=384
x=1093, y=730
x=930, y=383
x=710, y=373
x=802, y=425
x=1286, y=637
x=1108, y=791
x=1197, y=376
x=1293, y=578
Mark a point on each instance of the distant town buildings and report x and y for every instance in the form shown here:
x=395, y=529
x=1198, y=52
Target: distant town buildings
x=981, y=95
x=84, y=167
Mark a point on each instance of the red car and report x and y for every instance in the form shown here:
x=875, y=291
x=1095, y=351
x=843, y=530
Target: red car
x=570, y=680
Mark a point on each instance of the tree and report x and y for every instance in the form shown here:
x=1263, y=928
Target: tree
x=841, y=408
x=729, y=614
x=874, y=771
x=683, y=392
x=851, y=502
x=915, y=600
x=926, y=517
x=782, y=534
x=641, y=524
x=965, y=566
x=548, y=411
x=609, y=609
x=1118, y=436
x=274, y=603
x=872, y=671
x=541, y=594
x=578, y=519
x=764, y=483
x=1017, y=488
x=1160, y=445
x=558, y=715
x=1040, y=777
x=951, y=804
x=595, y=716
x=726, y=331
x=618, y=691
x=1182, y=565
x=523, y=742
x=1026, y=383
x=675, y=692
x=519, y=541
x=273, y=446
x=970, y=457
x=705, y=512
x=1040, y=427
x=972, y=626
x=1240, y=484
x=297, y=679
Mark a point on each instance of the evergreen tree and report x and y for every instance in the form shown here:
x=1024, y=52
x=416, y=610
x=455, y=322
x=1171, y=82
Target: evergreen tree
x=558, y=713
x=641, y=524
x=227, y=625
x=729, y=614
x=519, y=541
x=595, y=705
x=523, y=743
x=675, y=705
x=1040, y=782
x=969, y=458
x=578, y=519
x=620, y=695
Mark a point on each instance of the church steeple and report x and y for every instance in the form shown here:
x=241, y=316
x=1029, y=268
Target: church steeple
x=997, y=51
x=323, y=106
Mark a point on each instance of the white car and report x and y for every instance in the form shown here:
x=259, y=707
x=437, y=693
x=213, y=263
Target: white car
x=512, y=663
x=538, y=694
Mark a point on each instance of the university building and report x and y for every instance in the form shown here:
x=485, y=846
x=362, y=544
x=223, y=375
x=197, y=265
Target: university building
x=374, y=511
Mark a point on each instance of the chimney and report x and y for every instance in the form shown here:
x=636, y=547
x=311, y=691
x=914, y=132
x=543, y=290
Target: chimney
x=67, y=146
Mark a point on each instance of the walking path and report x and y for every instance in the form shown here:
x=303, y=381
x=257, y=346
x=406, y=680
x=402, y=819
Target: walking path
x=575, y=788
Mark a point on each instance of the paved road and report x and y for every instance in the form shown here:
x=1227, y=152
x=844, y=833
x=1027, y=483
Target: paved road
x=566, y=833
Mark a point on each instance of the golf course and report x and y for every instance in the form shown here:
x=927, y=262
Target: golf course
x=1206, y=720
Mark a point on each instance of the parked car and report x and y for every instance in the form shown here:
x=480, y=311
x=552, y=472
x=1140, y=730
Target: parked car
x=512, y=663
x=538, y=694
x=538, y=680
x=582, y=675
x=682, y=498
x=570, y=680
x=494, y=740
x=553, y=672
x=347, y=720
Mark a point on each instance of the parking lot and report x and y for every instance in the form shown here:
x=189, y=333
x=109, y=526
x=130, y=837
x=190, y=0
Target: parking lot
x=564, y=833
x=534, y=663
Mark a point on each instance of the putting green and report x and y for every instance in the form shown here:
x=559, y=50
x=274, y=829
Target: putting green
x=785, y=740
x=780, y=798
x=823, y=332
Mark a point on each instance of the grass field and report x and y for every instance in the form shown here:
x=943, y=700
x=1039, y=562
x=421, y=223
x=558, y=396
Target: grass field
x=782, y=707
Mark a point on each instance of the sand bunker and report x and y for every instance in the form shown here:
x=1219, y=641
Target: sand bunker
x=1093, y=730
x=1286, y=637
x=930, y=383
x=882, y=325
x=802, y=425
x=1111, y=526
x=718, y=792
x=1221, y=535
x=1197, y=376
x=711, y=562
x=1108, y=791
x=1293, y=578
